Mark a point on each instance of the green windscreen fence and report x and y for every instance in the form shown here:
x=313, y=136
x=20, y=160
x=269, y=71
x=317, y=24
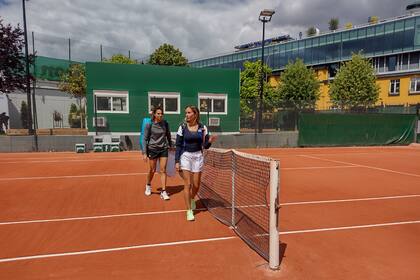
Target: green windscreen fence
x=333, y=129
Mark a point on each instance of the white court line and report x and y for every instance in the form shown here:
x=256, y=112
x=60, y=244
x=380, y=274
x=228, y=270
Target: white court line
x=349, y=200
x=71, y=176
x=349, y=227
x=279, y=157
x=365, y=166
x=201, y=209
x=95, y=217
x=72, y=160
x=116, y=249
x=67, y=158
x=196, y=241
x=318, y=167
x=137, y=173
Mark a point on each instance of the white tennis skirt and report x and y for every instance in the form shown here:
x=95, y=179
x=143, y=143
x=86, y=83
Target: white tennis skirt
x=192, y=161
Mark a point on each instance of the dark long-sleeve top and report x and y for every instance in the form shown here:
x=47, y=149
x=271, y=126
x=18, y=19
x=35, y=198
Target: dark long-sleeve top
x=157, y=137
x=189, y=141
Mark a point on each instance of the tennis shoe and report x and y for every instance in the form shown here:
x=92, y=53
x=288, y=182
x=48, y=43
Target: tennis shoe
x=190, y=215
x=164, y=195
x=148, y=190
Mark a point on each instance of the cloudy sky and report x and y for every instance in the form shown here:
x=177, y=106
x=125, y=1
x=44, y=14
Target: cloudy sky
x=199, y=28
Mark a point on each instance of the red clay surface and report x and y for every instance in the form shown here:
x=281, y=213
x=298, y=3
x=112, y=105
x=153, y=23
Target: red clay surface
x=346, y=213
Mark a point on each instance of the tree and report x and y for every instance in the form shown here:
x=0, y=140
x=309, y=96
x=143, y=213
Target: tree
x=121, y=59
x=373, y=19
x=333, y=24
x=311, y=31
x=74, y=83
x=166, y=54
x=24, y=114
x=355, y=85
x=250, y=85
x=12, y=59
x=298, y=87
x=75, y=116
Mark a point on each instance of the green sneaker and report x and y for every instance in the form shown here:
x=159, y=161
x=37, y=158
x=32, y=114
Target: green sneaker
x=190, y=215
x=193, y=207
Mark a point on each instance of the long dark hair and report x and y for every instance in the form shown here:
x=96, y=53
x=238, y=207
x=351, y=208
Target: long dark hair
x=196, y=112
x=154, y=110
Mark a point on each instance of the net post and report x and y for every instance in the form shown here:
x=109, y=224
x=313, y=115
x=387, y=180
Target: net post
x=274, y=256
x=233, y=189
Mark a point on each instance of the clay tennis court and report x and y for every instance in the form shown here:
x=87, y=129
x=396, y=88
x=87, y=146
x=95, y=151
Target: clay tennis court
x=346, y=213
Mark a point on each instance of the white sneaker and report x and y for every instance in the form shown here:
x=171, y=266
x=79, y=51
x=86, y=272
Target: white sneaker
x=148, y=190
x=164, y=195
x=190, y=215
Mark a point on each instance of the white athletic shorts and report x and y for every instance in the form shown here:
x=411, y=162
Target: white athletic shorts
x=192, y=162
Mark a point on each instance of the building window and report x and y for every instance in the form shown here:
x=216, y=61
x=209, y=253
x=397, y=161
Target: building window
x=415, y=85
x=414, y=60
x=111, y=101
x=169, y=101
x=394, y=87
x=213, y=103
x=391, y=62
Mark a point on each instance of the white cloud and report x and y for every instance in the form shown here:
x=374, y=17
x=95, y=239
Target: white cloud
x=199, y=28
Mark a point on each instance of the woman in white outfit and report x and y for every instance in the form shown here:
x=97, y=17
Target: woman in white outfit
x=192, y=137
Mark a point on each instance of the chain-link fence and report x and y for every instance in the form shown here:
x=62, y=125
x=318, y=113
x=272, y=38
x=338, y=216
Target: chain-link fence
x=74, y=49
x=286, y=118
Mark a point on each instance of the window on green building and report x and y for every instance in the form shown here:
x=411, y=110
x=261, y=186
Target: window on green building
x=169, y=101
x=111, y=101
x=212, y=103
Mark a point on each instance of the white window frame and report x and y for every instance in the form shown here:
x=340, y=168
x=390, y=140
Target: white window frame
x=202, y=95
x=165, y=95
x=416, y=80
x=395, y=82
x=112, y=93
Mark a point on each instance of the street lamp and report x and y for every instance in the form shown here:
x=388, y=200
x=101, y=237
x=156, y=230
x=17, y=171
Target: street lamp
x=265, y=16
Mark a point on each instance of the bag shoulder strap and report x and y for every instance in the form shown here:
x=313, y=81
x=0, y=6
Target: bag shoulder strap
x=149, y=130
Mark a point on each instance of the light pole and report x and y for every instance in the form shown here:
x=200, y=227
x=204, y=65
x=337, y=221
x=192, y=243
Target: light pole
x=265, y=16
x=28, y=81
x=31, y=126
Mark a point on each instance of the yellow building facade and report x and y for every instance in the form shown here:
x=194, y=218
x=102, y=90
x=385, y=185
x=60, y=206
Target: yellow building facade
x=395, y=90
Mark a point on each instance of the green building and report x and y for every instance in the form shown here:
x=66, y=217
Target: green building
x=125, y=94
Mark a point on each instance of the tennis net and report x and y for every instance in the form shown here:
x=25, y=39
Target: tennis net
x=241, y=191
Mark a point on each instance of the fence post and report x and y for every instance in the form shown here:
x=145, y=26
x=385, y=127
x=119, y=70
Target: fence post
x=69, y=51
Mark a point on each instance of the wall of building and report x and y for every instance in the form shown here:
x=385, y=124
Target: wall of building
x=405, y=97
x=140, y=80
x=48, y=99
